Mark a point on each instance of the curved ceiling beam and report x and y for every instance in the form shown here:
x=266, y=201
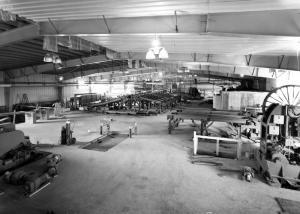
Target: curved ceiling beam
x=275, y=23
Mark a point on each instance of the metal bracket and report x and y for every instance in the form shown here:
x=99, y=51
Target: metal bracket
x=208, y=56
x=52, y=25
x=206, y=23
x=104, y=19
x=176, y=24
x=9, y=75
x=280, y=60
x=81, y=60
x=248, y=60
x=34, y=68
x=195, y=57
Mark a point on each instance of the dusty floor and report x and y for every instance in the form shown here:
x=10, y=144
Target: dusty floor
x=149, y=173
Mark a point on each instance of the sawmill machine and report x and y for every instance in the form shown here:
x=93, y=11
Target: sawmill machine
x=278, y=157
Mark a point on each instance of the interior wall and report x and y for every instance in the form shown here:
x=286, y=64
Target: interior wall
x=238, y=100
x=288, y=78
x=110, y=90
x=34, y=94
x=206, y=90
x=69, y=91
x=36, y=87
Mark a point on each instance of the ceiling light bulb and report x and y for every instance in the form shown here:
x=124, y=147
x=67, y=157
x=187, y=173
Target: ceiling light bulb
x=60, y=78
x=156, y=50
x=163, y=54
x=48, y=58
x=57, y=60
x=155, y=43
x=150, y=54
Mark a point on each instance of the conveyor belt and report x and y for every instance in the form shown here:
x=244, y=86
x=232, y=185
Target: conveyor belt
x=106, y=102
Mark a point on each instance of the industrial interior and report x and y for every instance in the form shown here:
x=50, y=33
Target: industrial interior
x=171, y=107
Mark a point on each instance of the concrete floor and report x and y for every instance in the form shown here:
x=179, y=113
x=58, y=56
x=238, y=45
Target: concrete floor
x=150, y=173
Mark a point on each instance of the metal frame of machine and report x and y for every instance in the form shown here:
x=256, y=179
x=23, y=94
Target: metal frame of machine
x=207, y=117
x=142, y=103
x=278, y=157
x=21, y=163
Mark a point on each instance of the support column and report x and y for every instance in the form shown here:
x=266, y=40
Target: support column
x=195, y=139
x=60, y=93
x=7, y=103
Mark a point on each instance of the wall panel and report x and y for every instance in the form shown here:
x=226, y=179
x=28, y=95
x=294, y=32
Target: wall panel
x=34, y=94
x=69, y=91
x=36, y=78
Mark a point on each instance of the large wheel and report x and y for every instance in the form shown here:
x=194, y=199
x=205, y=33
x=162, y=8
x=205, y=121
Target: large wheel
x=288, y=95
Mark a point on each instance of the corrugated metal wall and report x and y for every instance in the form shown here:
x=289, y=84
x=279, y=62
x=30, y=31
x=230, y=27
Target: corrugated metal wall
x=238, y=100
x=36, y=78
x=34, y=94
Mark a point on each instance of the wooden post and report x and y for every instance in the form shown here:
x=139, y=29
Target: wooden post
x=195, y=143
x=108, y=128
x=14, y=117
x=239, y=143
x=170, y=126
x=217, y=147
x=238, y=149
x=135, y=128
x=130, y=132
x=202, y=127
x=47, y=114
x=101, y=128
x=240, y=131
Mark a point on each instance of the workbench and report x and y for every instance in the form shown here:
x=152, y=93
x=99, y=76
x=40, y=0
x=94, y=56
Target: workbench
x=207, y=117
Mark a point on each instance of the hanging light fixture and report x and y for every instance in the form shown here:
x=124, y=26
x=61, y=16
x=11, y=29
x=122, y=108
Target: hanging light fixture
x=157, y=52
x=163, y=54
x=57, y=60
x=48, y=58
x=51, y=57
x=150, y=54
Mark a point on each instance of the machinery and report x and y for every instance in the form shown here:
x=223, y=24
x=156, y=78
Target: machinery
x=207, y=118
x=34, y=175
x=15, y=148
x=278, y=157
x=66, y=134
x=142, y=103
x=83, y=100
x=105, y=126
x=21, y=163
